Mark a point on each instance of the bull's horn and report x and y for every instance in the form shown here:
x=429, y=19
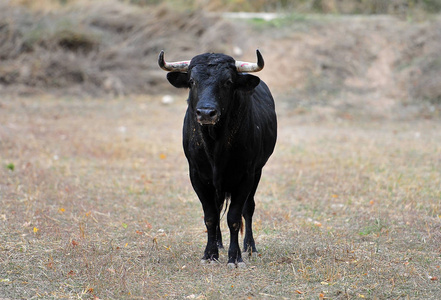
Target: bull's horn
x=248, y=67
x=178, y=66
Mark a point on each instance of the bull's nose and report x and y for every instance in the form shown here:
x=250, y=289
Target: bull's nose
x=207, y=115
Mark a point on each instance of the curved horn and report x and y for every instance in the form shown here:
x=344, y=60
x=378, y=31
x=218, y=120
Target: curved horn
x=248, y=67
x=178, y=66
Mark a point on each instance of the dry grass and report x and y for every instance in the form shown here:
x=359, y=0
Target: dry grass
x=99, y=205
x=95, y=200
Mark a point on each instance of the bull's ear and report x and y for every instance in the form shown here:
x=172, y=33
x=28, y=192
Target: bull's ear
x=178, y=79
x=247, y=82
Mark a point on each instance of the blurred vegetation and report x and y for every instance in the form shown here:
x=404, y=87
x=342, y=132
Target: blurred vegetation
x=98, y=46
x=407, y=7
x=111, y=47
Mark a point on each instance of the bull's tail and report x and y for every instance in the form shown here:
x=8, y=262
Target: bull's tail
x=227, y=200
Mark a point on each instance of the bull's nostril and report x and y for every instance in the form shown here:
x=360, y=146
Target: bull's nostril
x=207, y=115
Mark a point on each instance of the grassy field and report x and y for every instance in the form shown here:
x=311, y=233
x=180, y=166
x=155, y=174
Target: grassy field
x=95, y=203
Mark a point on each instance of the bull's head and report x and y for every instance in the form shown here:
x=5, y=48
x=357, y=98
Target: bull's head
x=213, y=80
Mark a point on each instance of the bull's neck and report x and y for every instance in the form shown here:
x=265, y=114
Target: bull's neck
x=211, y=133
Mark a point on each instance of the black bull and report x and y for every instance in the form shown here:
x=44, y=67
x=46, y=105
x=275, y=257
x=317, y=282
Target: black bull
x=230, y=130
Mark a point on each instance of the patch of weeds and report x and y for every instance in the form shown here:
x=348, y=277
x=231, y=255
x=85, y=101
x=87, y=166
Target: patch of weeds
x=10, y=166
x=372, y=229
x=34, y=36
x=63, y=33
x=269, y=230
x=76, y=41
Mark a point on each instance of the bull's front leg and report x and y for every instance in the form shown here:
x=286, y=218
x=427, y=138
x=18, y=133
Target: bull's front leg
x=211, y=219
x=234, y=219
x=212, y=222
x=207, y=194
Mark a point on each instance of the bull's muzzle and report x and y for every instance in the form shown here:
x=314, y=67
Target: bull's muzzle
x=207, y=116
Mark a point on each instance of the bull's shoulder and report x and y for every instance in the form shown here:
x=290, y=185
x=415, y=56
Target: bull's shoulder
x=262, y=95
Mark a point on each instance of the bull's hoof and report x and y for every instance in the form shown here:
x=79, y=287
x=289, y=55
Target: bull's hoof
x=214, y=262
x=250, y=254
x=240, y=265
x=210, y=262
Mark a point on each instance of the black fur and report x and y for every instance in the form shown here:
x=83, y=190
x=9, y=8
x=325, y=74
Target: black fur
x=228, y=145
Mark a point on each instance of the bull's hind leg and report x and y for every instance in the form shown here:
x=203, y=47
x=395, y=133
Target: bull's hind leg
x=220, y=245
x=220, y=204
x=247, y=212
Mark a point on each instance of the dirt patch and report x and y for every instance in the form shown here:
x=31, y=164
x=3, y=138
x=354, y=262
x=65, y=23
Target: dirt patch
x=99, y=47
x=374, y=65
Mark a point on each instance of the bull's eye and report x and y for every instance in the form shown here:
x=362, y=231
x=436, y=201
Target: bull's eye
x=191, y=83
x=228, y=83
